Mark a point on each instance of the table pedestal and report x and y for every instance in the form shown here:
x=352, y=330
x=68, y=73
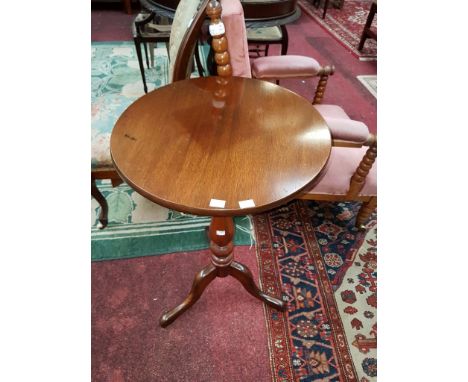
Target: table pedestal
x=221, y=234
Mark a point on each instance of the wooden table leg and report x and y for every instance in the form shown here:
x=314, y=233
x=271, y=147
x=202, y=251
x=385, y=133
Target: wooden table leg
x=201, y=281
x=221, y=234
x=243, y=274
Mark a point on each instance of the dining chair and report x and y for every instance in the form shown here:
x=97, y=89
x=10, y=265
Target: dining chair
x=185, y=31
x=148, y=29
x=266, y=36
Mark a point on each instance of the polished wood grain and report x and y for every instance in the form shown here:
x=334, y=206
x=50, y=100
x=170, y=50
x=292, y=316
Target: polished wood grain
x=231, y=139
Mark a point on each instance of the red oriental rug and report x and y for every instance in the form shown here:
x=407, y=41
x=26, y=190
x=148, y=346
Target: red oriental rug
x=326, y=270
x=346, y=24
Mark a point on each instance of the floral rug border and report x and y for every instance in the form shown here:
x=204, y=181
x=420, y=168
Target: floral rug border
x=281, y=345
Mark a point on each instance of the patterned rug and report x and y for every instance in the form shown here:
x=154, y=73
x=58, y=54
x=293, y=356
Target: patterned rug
x=370, y=83
x=346, y=24
x=327, y=271
x=136, y=227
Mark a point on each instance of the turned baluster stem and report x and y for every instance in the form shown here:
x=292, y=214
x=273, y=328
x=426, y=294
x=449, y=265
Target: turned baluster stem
x=221, y=234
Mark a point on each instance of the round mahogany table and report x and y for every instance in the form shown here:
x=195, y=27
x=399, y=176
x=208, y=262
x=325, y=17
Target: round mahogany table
x=220, y=147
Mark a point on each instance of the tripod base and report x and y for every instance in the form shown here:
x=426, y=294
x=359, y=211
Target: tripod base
x=208, y=274
x=221, y=233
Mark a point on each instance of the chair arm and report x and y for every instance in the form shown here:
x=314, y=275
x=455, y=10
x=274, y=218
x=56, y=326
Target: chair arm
x=359, y=177
x=350, y=143
x=324, y=72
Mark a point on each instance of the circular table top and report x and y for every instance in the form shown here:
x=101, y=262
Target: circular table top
x=220, y=147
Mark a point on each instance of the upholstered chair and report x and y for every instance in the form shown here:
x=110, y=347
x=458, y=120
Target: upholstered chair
x=351, y=175
x=351, y=172
x=179, y=68
x=344, y=130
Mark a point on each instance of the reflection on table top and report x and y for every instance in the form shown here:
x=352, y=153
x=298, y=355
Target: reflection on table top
x=233, y=140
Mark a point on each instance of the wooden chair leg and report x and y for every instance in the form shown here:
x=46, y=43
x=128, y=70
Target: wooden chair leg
x=151, y=46
x=102, y=202
x=284, y=40
x=198, y=61
x=320, y=91
x=145, y=46
x=365, y=212
x=366, y=31
x=128, y=6
x=116, y=182
x=325, y=7
x=140, y=62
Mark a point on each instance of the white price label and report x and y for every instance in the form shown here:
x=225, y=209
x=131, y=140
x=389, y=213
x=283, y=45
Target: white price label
x=217, y=29
x=217, y=203
x=246, y=203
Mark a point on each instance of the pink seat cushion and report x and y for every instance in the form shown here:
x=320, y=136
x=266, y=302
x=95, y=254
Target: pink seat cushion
x=341, y=166
x=236, y=34
x=341, y=126
x=275, y=67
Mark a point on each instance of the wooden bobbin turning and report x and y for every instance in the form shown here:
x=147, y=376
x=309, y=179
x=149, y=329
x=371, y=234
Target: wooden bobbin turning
x=219, y=42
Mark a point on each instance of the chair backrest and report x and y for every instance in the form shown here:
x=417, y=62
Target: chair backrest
x=236, y=33
x=186, y=27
